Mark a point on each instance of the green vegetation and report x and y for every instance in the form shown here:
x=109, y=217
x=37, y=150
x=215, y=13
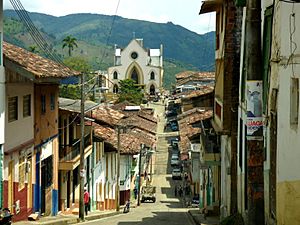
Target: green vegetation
x=78, y=64
x=130, y=92
x=69, y=42
x=183, y=49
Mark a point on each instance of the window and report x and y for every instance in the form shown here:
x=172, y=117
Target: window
x=12, y=108
x=115, y=75
x=134, y=55
x=43, y=104
x=294, y=110
x=26, y=105
x=22, y=165
x=52, y=101
x=152, y=76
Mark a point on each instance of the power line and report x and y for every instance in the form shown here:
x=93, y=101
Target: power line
x=107, y=41
x=33, y=31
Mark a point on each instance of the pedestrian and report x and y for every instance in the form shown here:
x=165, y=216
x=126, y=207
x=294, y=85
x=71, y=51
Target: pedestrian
x=86, y=198
x=175, y=190
x=180, y=191
x=135, y=193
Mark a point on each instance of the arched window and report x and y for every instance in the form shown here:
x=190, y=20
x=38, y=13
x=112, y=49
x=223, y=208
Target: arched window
x=135, y=76
x=115, y=75
x=152, y=90
x=115, y=89
x=152, y=76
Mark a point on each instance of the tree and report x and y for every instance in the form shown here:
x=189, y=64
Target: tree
x=78, y=64
x=69, y=42
x=33, y=49
x=130, y=92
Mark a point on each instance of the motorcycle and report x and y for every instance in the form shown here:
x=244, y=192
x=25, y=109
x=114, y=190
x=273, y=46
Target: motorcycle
x=6, y=217
x=127, y=207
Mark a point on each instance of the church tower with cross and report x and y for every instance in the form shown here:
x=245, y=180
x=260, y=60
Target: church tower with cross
x=144, y=66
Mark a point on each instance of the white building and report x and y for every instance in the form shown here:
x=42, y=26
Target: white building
x=144, y=66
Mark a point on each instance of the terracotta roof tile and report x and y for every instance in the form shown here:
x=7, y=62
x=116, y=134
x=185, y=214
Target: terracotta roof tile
x=40, y=67
x=196, y=93
x=195, y=74
x=187, y=122
x=129, y=142
x=107, y=115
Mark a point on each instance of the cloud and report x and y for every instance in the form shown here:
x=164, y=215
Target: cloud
x=177, y=11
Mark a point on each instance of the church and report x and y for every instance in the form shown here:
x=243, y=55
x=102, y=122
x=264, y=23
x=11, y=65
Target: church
x=144, y=66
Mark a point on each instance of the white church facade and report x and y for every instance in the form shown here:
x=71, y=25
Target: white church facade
x=144, y=66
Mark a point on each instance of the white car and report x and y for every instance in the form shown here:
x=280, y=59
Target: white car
x=176, y=174
x=175, y=160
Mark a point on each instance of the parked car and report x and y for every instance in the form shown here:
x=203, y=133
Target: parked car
x=176, y=174
x=174, y=126
x=170, y=113
x=195, y=201
x=175, y=160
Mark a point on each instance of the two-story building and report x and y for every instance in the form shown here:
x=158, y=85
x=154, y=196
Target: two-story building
x=69, y=152
x=225, y=118
x=31, y=132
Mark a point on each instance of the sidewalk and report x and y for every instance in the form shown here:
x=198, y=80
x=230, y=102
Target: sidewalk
x=198, y=218
x=70, y=219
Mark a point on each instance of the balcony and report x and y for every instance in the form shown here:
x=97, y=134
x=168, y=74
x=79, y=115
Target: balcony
x=69, y=157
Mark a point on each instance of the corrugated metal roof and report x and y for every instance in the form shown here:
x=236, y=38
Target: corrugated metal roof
x=72, y=105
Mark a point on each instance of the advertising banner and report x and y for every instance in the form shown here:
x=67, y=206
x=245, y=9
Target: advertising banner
x=254, y=109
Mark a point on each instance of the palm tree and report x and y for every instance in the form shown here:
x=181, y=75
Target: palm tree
x=33, y=49
x=70, y=42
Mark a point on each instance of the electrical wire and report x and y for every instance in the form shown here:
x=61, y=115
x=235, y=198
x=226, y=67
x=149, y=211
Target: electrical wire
x=33, y=31
x=107, y=41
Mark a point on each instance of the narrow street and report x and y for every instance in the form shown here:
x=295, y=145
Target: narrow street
x=167, y=209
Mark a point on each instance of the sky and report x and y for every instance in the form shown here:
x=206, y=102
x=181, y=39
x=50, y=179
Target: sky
x=180, y=12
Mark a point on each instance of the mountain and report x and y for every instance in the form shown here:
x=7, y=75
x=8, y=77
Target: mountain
x=183, y=49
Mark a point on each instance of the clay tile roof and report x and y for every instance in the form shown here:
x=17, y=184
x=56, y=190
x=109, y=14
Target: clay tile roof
x=121, y=106
x=129, y=143
x=187, y=122
x=195, y=75
x=137, y=121
x=196, y=93
x=107, y=115
x=40, y=67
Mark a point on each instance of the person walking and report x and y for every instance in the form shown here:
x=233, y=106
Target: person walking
x=86, y=198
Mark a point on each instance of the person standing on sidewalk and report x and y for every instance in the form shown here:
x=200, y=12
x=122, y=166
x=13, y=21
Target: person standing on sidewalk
x=86, y=198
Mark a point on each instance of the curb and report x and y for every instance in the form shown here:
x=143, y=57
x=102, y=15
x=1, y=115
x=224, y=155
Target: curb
x=193, y=218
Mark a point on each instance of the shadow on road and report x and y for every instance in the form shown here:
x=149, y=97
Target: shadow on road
x=161, y=218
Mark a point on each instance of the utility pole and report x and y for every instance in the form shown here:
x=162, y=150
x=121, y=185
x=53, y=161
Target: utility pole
x=82, y=166
x=255, y=156
x=118, y=174
x=139, y=181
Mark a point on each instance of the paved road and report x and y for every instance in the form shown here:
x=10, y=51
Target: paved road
x=167, y=210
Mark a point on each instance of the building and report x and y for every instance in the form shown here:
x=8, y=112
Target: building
x=31, y=132
x=225, y=118
x=69, y=152
x=2, y=106
x=279, y=115
x=144, y=66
